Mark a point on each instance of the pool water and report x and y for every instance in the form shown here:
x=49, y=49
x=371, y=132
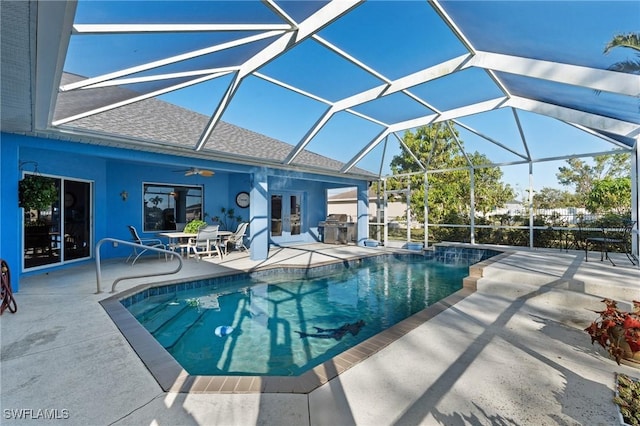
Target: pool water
x=265, y=318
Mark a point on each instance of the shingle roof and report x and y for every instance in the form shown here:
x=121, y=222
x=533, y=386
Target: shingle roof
x=159, y=121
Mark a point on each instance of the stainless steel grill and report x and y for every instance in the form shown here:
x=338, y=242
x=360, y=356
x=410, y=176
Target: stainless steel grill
x=337, y=229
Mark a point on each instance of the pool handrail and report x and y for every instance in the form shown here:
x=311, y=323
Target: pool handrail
x=129, y=277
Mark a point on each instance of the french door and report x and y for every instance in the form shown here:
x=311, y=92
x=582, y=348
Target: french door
x=62, y=231
x=286, y=217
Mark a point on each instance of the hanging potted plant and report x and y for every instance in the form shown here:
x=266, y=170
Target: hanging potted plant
x=36, y=192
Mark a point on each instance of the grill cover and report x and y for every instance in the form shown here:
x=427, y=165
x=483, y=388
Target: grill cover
x=337, y=217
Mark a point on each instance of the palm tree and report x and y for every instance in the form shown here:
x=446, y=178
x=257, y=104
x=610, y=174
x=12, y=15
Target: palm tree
x=631, y=41
x=156, y=200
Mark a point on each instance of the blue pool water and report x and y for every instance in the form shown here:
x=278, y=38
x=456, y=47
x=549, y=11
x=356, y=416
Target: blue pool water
x=265, y=317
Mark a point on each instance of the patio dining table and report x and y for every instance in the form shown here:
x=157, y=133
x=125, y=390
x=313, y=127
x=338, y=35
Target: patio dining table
x=178, y=240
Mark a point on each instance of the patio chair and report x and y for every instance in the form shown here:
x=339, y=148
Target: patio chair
x=148, y=242
x=236, y=240
x=206, y=242
x=615, y=237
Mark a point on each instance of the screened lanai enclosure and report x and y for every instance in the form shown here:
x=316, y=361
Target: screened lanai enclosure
x=475, y=106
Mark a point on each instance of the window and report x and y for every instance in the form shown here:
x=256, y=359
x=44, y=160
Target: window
x=170, y=207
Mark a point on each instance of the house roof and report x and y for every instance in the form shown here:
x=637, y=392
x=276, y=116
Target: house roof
x=159, y=122
x=349, y=195
x=349, y=76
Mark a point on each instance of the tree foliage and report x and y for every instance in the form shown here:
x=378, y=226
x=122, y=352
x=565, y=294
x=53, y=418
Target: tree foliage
x=36, y=192
x=436, y=147
x=630, y=41
x=490, y=191
x=553, y=198
x=610, y=194
x=581, y=174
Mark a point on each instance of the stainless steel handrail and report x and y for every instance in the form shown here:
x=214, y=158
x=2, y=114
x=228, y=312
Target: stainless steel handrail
x=129, y=243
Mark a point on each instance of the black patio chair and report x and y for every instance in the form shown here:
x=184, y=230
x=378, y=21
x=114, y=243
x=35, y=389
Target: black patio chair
x=615, y=237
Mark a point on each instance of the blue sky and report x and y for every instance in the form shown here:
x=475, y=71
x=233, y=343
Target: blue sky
x=396, y=39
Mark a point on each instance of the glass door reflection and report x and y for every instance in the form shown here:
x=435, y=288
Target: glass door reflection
x=286, y=215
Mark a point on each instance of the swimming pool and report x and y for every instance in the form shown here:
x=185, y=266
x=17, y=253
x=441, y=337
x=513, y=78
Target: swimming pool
x=270, y=314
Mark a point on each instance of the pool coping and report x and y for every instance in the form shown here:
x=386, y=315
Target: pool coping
x=172, y=377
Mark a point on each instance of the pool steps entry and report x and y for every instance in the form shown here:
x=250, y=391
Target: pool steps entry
x=162, y=316
x=163, y=291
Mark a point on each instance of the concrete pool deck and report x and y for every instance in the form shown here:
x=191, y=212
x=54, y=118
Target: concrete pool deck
x=513, y=352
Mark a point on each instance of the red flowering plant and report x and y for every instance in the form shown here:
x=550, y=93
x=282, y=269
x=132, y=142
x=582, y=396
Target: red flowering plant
x=617, y=331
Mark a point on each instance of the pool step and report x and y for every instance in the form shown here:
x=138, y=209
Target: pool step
x=163, y=316
x=150, y=307
x=173, y=330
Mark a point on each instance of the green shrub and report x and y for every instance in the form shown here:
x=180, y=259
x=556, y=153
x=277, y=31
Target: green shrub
x=193, y=226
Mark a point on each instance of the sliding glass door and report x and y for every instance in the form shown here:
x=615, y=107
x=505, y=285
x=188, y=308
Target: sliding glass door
x=60, y=232
x=286, y=216
x=77, y=220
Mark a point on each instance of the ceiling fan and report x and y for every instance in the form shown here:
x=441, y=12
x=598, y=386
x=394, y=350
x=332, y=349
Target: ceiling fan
x=196, y=171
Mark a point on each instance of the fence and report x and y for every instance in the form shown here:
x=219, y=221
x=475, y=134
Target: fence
x=551, y=228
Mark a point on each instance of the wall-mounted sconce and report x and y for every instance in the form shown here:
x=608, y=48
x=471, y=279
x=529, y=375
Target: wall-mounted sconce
x=21, y=165
x=124, y=195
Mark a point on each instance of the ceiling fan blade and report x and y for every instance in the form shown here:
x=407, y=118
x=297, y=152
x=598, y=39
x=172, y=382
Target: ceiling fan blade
x=196, y=171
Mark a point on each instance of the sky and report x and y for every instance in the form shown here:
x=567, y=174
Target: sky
x=394, y=39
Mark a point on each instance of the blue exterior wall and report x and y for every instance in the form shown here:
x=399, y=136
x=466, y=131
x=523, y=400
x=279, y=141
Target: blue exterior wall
x=113, y=170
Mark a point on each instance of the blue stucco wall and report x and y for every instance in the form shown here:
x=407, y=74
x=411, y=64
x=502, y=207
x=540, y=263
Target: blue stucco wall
x=113, y=170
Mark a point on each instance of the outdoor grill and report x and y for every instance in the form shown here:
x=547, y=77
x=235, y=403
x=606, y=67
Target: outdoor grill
x=337, y=229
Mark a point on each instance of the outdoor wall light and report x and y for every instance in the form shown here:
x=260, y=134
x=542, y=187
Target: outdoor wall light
x=124, y=195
